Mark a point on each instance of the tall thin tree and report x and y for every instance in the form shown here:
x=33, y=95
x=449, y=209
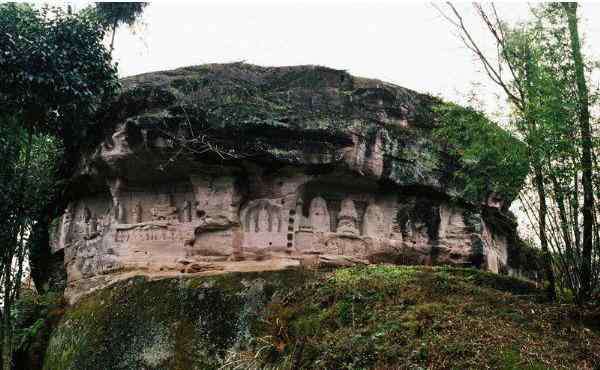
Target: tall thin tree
x=114, y=14
x=586, y=149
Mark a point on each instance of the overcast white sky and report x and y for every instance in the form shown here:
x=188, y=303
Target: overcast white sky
x=406, y=43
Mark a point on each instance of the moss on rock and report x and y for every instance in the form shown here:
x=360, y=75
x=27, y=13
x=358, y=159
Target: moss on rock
x=165, y=324
x=368, y=317
x=300, y=115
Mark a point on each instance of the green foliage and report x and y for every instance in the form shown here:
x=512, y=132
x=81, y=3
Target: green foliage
x=113, y=14
x=116, y=13
x=33, y=316
x=55, y=72
x=167, y=324
x=419, y=317
x=10, y=140
x=24, y=163
x=524, y=256
x=53, y=67
x=28, y=182
x=540, y=52
x=356, y=318
x=492, y=159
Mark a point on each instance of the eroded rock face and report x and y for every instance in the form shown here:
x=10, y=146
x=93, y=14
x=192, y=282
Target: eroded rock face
x=326, y=170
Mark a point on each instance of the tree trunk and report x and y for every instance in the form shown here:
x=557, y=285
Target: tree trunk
x=571, y=265
x=6, y=324
x=112, y=38
x=586, y=153
x=536, y=159
x=11, y=286
x=542, y=212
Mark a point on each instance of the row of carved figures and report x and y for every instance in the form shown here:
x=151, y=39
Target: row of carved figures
x=263, y=216
x=163, y=210
x=91, y=226
x=347, y=219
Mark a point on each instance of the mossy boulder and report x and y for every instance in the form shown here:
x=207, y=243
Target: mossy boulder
x=355, y=318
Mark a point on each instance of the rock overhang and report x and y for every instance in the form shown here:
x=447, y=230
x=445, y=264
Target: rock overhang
x=302, y=116
x=230, y=163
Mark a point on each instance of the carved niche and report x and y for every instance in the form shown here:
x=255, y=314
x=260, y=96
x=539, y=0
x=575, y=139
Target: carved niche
x=164, y=209
x=319, y=215
x=89, y=224
x=216, y=198
x=262, y=224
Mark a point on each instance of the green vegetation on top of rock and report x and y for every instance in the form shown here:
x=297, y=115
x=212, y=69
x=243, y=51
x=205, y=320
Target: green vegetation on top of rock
x=491, y=157
x=287, y=114
x=356, y=318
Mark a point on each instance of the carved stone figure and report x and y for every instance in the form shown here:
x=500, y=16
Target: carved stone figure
x=120, y=215
x=116, y=187
x=262, y=216
x=373, y=222
x=262, y=225
x=187, y=211
x=66, y=227
x=137, y=213
x=83, y=224
x=298, y=215
x=319, y=215
x=262, y=220
x=409, y=229
x=348, y=218
x=92, y=227
x=86, y=214
x=89, y=224
x=164, y=210
x=103, y=223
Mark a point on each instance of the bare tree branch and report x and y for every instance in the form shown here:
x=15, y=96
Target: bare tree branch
x=494, y=73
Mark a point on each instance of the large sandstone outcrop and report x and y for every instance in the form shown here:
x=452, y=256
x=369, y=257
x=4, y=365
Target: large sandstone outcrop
x=235, y=167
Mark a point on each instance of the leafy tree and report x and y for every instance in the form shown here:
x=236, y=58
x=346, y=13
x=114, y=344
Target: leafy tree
x=491, y=159
x=583, y=114
x=552, y=71
x=515, y=73
x=115, y=14
x=55, y=72
x=542, y=71
x=54, y=68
